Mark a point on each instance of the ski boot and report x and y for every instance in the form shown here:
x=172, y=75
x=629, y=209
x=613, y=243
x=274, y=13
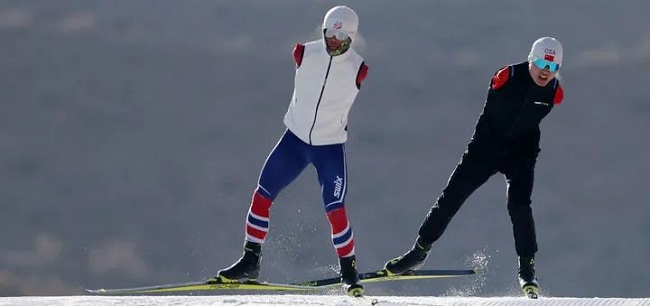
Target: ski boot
x=526, y=275
x=350, y=277
x=247, y=268
x=412, y=260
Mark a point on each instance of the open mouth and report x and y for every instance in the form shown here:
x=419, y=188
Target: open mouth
x=542, y=79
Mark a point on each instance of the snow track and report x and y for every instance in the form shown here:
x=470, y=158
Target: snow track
x=317, y=300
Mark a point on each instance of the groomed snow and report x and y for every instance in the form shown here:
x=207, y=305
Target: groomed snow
x=315, y=300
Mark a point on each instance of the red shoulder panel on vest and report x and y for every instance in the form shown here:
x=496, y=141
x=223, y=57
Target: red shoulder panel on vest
x=362, y=74
x=559, y=95
x=298, y=52
x=501, y=77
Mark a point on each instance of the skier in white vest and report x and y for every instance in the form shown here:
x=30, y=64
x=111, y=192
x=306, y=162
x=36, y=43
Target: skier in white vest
x=329, y=73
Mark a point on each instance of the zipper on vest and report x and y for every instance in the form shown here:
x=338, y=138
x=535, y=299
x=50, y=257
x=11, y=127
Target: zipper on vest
x=320, y=97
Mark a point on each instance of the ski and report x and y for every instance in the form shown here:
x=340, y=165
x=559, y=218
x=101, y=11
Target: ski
x=212, y=284
x=383, y=276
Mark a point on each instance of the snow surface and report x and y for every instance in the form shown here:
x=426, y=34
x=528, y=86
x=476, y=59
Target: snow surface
x=317, y=300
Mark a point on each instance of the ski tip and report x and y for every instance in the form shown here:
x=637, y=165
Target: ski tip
x=95, y=291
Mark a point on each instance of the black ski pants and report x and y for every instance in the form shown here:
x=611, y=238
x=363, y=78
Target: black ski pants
x=475, y=168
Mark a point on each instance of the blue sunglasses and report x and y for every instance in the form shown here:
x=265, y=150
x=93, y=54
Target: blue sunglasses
x=542, y=63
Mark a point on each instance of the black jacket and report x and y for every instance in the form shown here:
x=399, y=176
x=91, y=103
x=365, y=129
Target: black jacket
x=515, y=106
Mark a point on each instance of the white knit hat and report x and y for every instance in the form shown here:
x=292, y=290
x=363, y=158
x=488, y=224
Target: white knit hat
x=341, y=18
x=547, y=48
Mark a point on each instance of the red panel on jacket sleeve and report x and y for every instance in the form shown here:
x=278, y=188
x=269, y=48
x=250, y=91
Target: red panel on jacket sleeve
x=362, y=74
x=559, y=95
x=501, y=77
x=298, y=52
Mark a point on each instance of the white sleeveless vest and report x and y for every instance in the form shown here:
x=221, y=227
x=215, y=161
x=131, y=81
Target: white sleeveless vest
x=325, y=89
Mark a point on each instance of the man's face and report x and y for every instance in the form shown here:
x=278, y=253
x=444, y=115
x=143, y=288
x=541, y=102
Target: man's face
x=333, y=43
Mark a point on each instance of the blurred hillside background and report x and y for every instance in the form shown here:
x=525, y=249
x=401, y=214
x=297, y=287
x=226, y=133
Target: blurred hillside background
x=132, y=134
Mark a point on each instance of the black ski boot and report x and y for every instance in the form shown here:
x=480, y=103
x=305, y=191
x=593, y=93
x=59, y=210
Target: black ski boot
x=526, y=275
x=412, y=260
x=247, y=268
x=350, y=277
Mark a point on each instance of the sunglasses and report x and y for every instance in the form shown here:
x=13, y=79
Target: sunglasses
x=340, y=35
x=542, y=63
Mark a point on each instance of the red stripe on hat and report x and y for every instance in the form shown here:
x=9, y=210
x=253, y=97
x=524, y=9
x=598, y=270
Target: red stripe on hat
x=260, y=205
x=338, y=220
x=549, y=57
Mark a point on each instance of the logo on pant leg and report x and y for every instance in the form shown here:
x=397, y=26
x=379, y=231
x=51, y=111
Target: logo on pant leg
x=338, y=184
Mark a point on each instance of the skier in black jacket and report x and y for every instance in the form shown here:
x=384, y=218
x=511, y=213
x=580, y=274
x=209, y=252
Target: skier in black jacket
x=506, y=140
